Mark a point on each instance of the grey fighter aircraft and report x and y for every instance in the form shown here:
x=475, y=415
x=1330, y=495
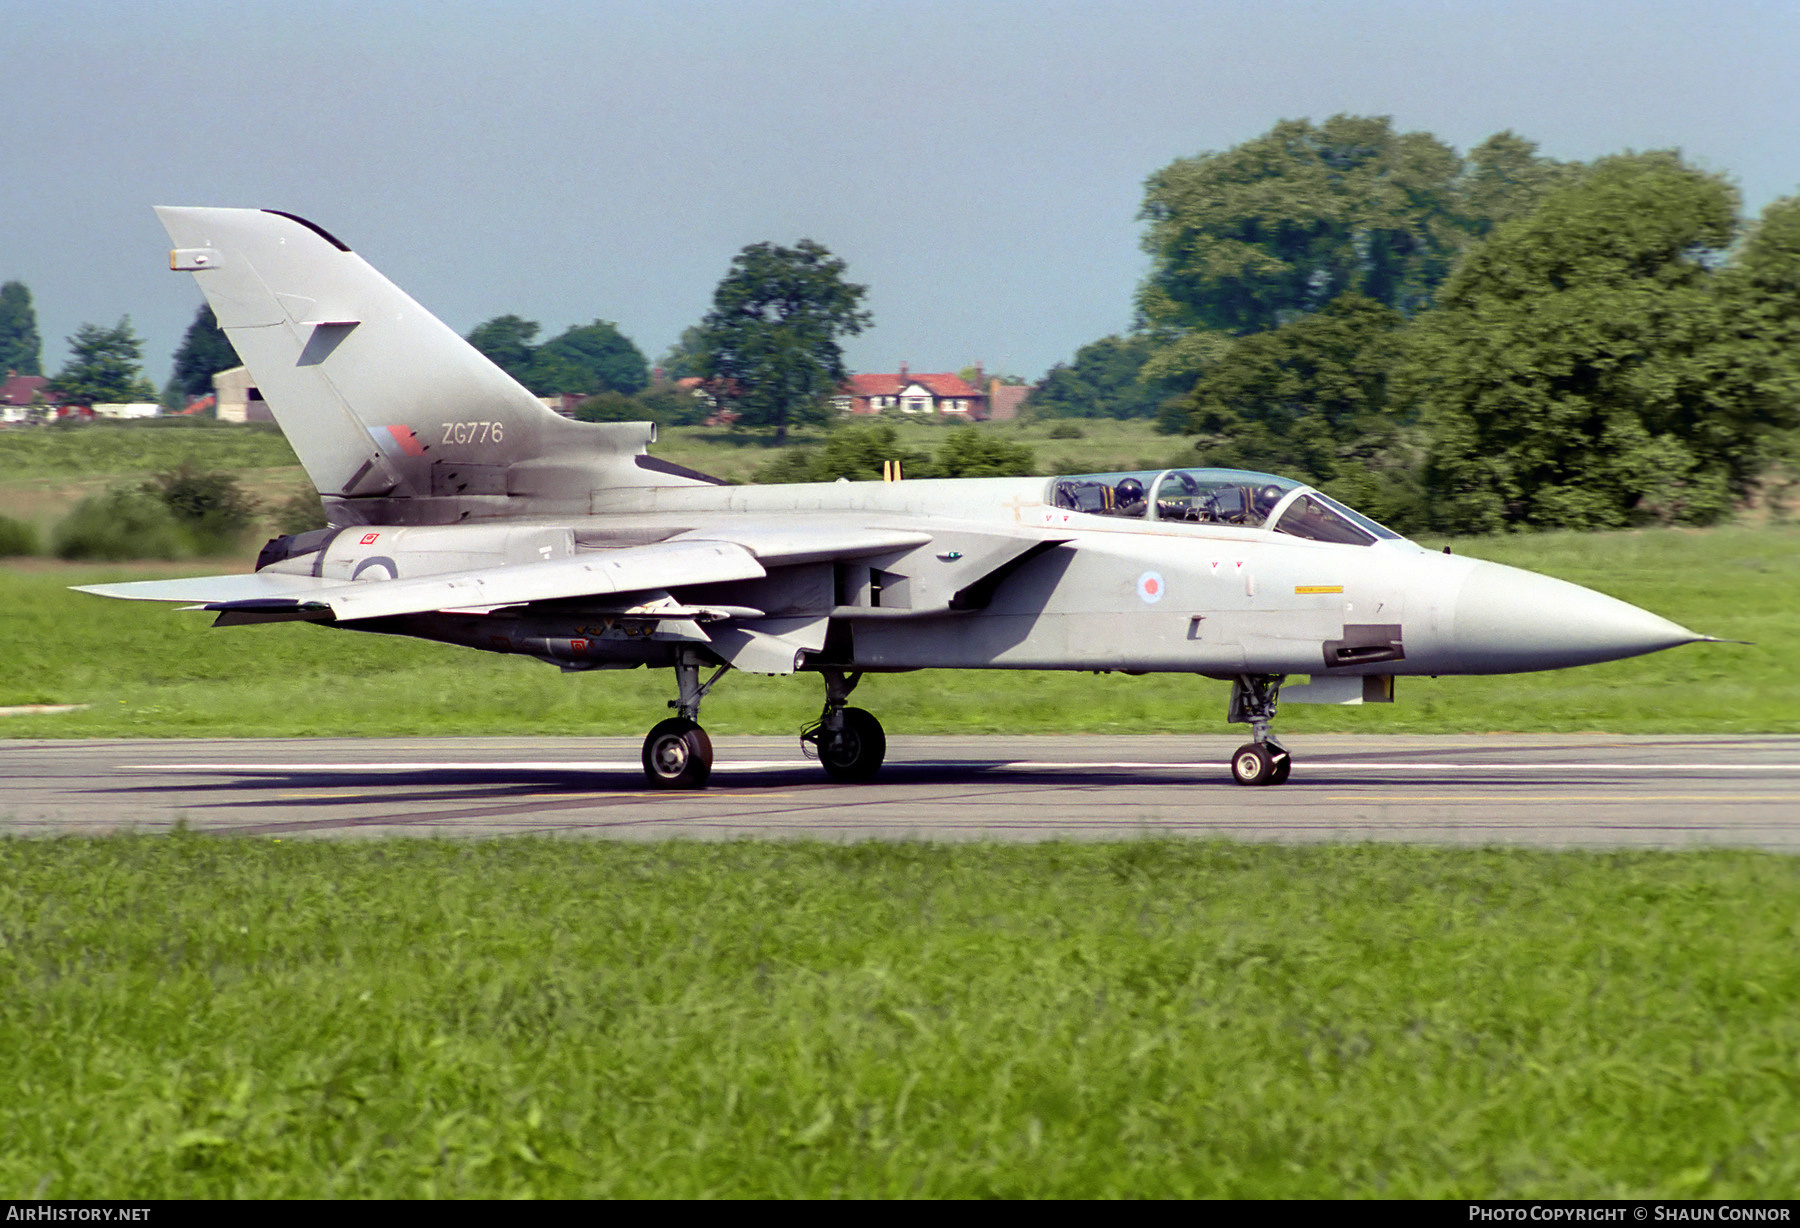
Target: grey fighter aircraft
x=464, y=511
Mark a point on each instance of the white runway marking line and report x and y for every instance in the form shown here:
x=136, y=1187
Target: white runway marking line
x=619, y=765
x=1025, y=765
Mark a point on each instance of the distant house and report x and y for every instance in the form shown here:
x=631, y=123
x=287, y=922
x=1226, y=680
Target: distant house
x=928, y=393
x=125, y=409
x=20, y=394
x=1005, y=400
x=238, y=398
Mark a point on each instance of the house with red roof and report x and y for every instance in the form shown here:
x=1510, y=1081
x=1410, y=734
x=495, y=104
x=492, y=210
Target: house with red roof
x=20, y=393
x=926, y=393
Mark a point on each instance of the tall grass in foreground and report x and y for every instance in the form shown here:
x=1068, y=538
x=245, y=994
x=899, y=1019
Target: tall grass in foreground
x=201, y=1017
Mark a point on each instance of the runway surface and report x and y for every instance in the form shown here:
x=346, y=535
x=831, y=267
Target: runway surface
x=1551, y=791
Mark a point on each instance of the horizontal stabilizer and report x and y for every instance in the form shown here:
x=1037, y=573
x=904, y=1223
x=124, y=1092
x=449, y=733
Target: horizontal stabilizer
x=598, y=573
x=258, y=585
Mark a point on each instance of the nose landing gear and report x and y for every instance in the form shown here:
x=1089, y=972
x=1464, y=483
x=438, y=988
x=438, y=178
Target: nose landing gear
x=1262, y=760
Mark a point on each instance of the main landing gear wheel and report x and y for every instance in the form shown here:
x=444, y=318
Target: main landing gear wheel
x=855, y=752
x=849, y=742
x=678, y=755
x=1260, y=763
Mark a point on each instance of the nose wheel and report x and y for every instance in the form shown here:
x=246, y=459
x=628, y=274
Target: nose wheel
x=1262, y=760
x=1261, y=763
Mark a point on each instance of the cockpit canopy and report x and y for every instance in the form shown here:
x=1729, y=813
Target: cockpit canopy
x=1235, y=497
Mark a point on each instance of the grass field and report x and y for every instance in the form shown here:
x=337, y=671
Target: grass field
x=44, y=472
x=150, y=670
x=195, y=1017
x=1106, y=444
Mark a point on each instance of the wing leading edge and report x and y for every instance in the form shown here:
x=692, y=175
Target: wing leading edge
x=601, y=573
x=694, y=558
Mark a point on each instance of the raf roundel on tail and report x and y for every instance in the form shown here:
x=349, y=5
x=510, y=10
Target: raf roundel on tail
x=464, y=511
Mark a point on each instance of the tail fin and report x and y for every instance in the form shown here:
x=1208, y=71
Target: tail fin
x=381, y=400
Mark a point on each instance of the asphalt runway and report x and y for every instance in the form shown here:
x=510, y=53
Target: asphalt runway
x=1550, y=791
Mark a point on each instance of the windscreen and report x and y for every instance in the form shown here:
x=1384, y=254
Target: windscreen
x=1310, y=516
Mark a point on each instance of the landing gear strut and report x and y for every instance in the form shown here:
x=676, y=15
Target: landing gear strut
x=849, y=741
x=678, y=754
x=1262, y=760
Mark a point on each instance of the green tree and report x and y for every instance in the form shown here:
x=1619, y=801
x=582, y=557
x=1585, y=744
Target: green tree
x=971, y=452
x=968, y=375
x=507, y=343
x=1105, y=381
x=771, y=339
x=128, y=521
x=1504, y=178
x=858, y=451
x=685, y=359
x=205, y=351
x=588, y=358
x=614, y=407
x=20, y=346
x=1762, y=287
x=855, y=451
x=1311, y=399
x=103, y=367
x=1582, y=368
x=1244, y=240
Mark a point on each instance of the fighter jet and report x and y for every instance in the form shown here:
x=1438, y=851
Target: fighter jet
x=464, y=511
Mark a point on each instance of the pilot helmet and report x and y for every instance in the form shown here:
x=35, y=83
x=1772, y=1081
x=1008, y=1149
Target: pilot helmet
x=1130, y=491
x=1267, y=498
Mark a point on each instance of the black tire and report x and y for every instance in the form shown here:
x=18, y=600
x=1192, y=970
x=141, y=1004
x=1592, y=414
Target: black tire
x=1252, y=764
x=854, y=755
x=677, y=755
x=1284, y=762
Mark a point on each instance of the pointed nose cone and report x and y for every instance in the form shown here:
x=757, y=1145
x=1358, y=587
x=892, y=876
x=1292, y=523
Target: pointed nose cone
x=1510, y=621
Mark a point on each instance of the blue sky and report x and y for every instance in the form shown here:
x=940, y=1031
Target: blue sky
x=978, y=164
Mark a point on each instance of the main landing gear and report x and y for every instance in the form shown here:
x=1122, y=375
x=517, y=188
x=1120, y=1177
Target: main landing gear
x=678, y=754
x=1262, y=760
x=849, y=741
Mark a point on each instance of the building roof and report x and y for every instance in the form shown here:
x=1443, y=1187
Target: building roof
x=22, y=389
x=937, y=383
